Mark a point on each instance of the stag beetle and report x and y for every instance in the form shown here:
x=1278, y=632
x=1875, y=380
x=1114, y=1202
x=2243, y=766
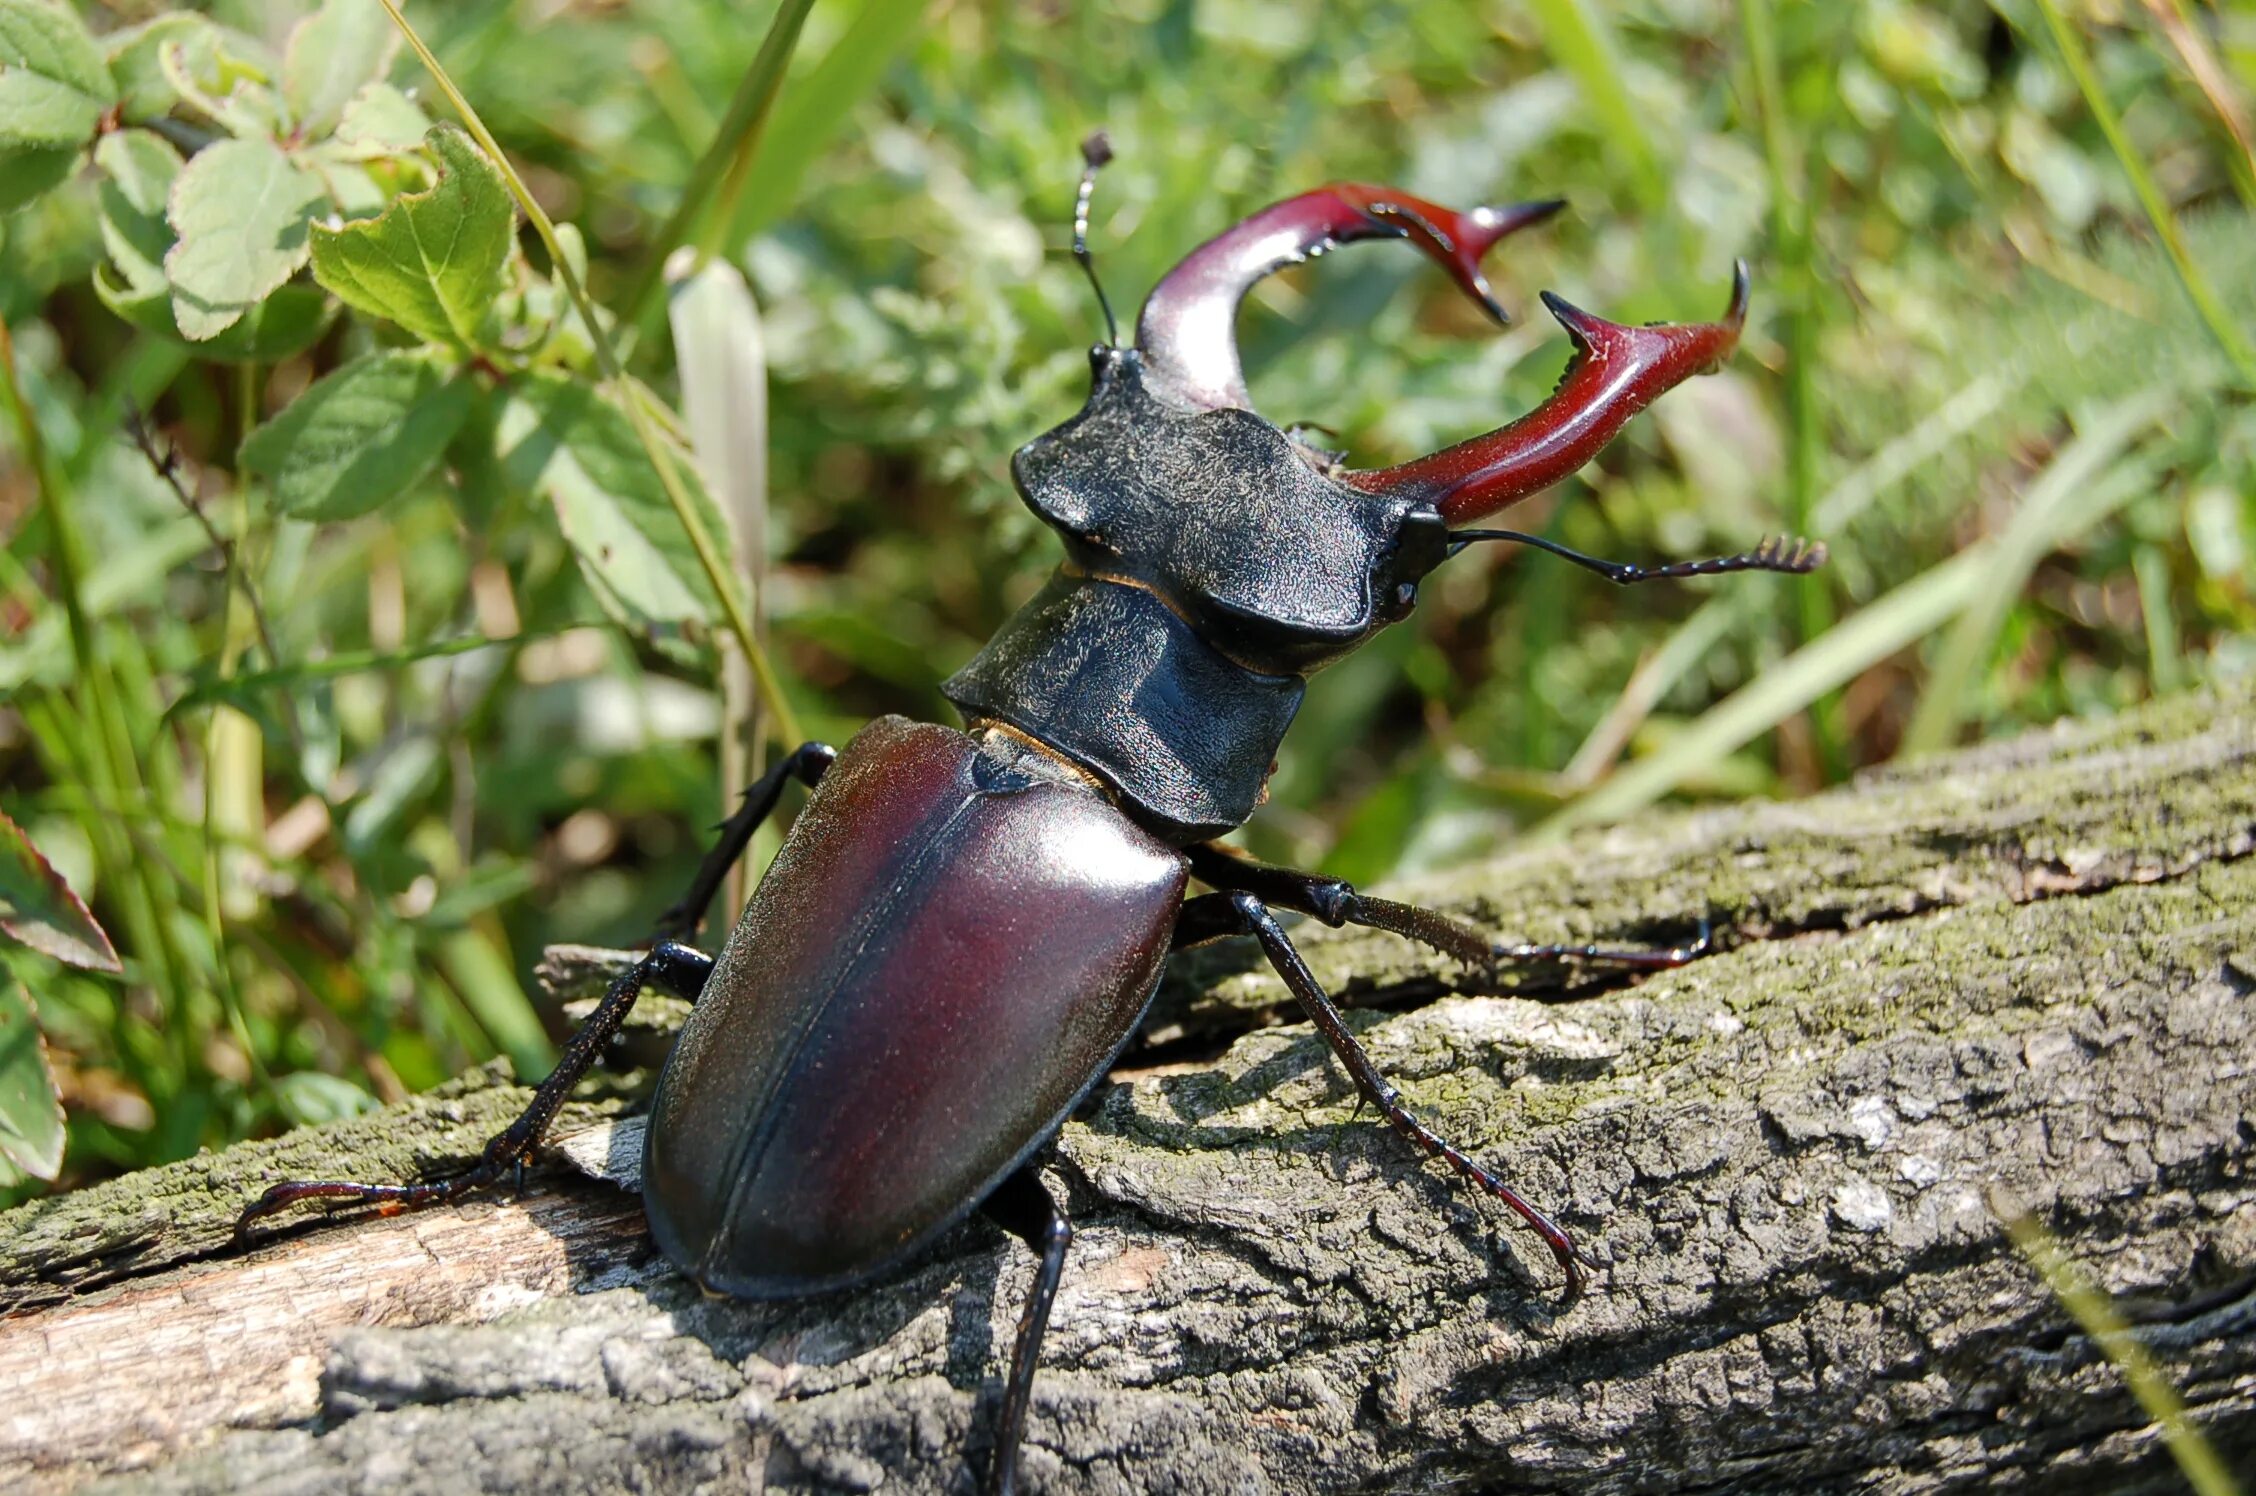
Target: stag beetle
x=964, y=925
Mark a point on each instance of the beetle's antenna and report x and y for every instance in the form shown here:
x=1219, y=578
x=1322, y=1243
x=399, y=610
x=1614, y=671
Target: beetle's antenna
x=1095, y=152
x=1792, y=555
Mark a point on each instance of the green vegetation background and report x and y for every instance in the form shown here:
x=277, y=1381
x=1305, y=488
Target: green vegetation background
x=330, y=842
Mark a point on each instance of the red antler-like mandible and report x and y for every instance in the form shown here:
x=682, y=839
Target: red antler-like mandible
x=1188, y=328
x=1617, y=372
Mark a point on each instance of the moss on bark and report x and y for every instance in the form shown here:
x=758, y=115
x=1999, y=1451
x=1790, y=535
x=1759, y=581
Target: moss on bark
x=2027, y=966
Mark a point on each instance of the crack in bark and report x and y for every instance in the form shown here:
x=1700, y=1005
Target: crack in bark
x=2019, y=964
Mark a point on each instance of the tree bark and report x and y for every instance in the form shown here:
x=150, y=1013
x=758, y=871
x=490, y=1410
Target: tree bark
x=2024, y=968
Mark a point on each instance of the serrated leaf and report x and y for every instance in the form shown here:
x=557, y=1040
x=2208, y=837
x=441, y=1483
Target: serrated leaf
x=31, y=1108
x=331, y=53
x=241, y=210
x=563, y=439
x=382, y=121
x=139, y=167
x=54, y=86
x=38, y=908
x=290, y=321
x=360, y=436
x=432, y=261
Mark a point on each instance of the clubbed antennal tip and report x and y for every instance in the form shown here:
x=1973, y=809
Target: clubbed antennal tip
x=1096, y=151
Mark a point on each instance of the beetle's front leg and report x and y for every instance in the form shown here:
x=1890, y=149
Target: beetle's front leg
x=1335, y=902
x=676, y=968
x=1243, y=913
x=807, y=763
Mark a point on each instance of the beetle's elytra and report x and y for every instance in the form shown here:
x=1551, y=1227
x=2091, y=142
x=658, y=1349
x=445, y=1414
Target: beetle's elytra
x=964, y=926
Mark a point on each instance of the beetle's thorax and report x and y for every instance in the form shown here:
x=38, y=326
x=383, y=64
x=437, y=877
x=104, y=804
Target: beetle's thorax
x=1211, y=566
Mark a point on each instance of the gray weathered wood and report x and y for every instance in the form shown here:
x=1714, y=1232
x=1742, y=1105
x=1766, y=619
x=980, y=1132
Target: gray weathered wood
x=2027, y=966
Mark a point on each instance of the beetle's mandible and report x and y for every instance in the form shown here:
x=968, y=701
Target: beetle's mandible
x=965, y=925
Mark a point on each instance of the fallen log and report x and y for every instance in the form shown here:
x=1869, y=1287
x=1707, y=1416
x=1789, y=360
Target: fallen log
x=2024, y=968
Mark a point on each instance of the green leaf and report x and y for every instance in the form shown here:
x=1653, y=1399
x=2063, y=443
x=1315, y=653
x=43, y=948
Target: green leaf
x=54, y=86
x=140, y=166
x=382, y=121
x=38, y=908
x=27, y=172
x=290, y=321
x=331, y=53
x=364, y=434
x=241, y=209
x=565, y=440
x=144, y=92
x=308, y=1098
x=31, y=1109
x=812, y=109
x=432, y=261
x=215, y=82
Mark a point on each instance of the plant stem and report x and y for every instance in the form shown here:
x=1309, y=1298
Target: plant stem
x=784, y=721
x=2158, y=214
x=728, y=155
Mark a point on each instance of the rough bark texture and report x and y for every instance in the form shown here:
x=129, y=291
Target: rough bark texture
x=2024, y=967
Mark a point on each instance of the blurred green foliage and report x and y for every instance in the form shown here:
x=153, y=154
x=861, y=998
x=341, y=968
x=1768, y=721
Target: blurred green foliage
x=330, y=826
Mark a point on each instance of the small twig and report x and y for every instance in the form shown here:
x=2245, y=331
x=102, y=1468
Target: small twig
x=165, y=459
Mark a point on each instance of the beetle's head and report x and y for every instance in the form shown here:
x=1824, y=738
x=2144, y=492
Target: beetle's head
x=1285, y=560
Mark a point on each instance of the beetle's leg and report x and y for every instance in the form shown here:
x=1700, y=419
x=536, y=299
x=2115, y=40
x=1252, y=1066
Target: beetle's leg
x=807, y=764
x=676, y=968
x=1253, y=918
x=1021, y=1206
x=1791, y=555
x=1335, y=902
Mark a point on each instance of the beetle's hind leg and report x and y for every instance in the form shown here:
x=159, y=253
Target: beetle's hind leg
x=675, y=968
x=1217, y=914
x=807, y=763
x=1335, y=902
x=1021, y=1206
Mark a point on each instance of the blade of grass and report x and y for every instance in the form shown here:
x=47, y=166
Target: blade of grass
x=1727, y=613
x=810, y=115
x=2090, y=1307
x=1795, y=246
x=2064, y=486
x=1860, y=641
x=2176, y=19
x=783, y=720
x=109, y=765
x=2165, y=658
x=1584, y=43
x=734, y=141
x=486, y=981
x=2158, y=214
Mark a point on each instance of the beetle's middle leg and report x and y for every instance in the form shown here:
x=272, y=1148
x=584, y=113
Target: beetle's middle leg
x=1335, y=902
x=675, y=968
x=1214, y=915
x=1021, y=1206
x=807, y=763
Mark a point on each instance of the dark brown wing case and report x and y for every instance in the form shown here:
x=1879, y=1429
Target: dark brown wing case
x=947, y=953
